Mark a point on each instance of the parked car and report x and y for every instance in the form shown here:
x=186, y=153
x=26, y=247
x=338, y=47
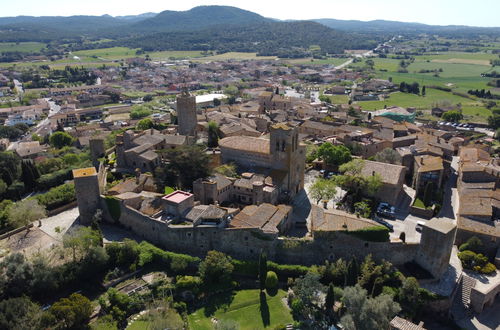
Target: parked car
x=384, y=223
x=420, y=225
x=386, y=210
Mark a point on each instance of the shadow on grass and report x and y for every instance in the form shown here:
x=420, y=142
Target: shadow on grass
x=264, y=310
x=272, y=292
x=218, y=301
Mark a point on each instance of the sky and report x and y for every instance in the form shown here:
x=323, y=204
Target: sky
x=436, y=12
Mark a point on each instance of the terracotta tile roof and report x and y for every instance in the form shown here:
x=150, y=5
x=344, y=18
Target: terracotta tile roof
x=246, y=144
x=336, y=220
x=398, y=323
x=429, y=163
x=389, y=173
x=265, y=216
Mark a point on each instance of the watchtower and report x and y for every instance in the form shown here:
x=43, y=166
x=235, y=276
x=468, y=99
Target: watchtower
x=87, y=193
x=186, y=113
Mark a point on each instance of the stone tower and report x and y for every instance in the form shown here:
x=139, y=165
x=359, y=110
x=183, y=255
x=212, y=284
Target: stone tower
x=288, y=155
x=96, y=150
x=436, y=244
x=87, y=193
x=186, y=113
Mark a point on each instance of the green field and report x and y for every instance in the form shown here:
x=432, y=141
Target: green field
x=24, y=47
x=307, y=61
x=114, y=53
x=339, y=99
x=246, y=310
x=177, y=54
x=235, y=56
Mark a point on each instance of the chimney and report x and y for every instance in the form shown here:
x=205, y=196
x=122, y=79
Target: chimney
x=373, y=173
x=137, y=175
x=422, y=160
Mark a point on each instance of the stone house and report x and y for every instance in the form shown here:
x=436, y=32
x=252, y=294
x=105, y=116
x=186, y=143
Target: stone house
x=427, y=169
x=393, y=178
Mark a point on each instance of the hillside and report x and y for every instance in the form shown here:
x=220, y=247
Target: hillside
x=198, y=18
x=287, y=39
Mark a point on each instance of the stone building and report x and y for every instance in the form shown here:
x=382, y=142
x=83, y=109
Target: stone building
x=392, y=177
x=438, y=236
x=87, y=193
x=282, y=156
x=250, y=188
x=186, y=113
x=427, y=169
x=138, y=150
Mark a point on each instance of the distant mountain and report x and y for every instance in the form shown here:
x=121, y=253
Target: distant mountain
x=198, y=18
x=137, y=18
x=384, y=26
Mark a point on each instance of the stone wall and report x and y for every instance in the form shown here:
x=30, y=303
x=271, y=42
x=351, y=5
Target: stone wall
x=421, y=213
x=246, y=243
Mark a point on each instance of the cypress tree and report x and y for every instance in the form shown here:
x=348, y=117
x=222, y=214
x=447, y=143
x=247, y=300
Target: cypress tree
x=352, y=272
x=330, y=298
x=262, y=270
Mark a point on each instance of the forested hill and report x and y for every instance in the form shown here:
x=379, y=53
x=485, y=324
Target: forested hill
x=198, y=18
x=287, y=39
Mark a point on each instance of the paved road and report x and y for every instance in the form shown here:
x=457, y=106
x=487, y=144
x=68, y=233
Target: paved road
x=450, y=199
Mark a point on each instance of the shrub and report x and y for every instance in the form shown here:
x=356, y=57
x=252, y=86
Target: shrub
x=285, y=271
x=271, y=280
x=57, y=196
x=190, y=283
x=473, y=244
x=372, y=234
x=54, y=179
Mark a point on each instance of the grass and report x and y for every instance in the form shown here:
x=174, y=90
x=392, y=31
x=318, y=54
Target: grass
x=236, y=56
x=113, y=53
x=245, y=309
x=139, y=325
x=307, y=61
x=419, y=203
x=420, y=102
x=339, y=99
x=168, y=190
x=165, y=55
x=24, y=47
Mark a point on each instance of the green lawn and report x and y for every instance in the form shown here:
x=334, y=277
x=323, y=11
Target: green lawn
x=24, y=47
x=406, y=100
x=245, y=309
x=339, y=99
x=113, y=53
x=419, y=203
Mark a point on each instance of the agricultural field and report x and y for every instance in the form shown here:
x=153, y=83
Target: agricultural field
x=235, y=56
x=177, y=54
x=310, y=61
x=24, y=47
x=114, y=53
x=339, y=99
x=246, y=309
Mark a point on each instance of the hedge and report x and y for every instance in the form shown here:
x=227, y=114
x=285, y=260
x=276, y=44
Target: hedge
x=372, y=234
x=251, y=268
x=54, y=179
x=57, y=196
x=150, y=253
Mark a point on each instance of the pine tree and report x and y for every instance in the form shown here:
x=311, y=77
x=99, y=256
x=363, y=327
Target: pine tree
x=423, y=90
x=262, y=270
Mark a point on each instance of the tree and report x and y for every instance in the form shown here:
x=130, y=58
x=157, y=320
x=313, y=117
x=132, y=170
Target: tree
x=184, y=165
x=60, y=139
x=72, y=312
x=409, y=296
x=228, y=170
x=19, y=313
x=213, y=134
x=308, y=288
x=271, y=281
x=216, y=267
x=363, y=313
x=334, y=155
x=232, y=91
x=16, y=274
x=428, y=193
x=145, y=124
x=402, y=236
x=80, y=241
x=262, y=269
x=25, y=212
x=352, y=272
x=29, y=174
x=473, y=244
x=323, y=189
x=452, y=116
x=44, y=279
x=423, y=90
x=330, y=299
x=389, y=156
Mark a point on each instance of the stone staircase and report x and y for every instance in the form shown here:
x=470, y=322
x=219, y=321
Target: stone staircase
x=460, y=305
